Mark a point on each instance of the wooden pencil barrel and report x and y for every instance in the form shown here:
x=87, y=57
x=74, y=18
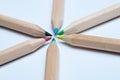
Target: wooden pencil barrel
x=20, y=50
x=93, y=42
x=58, y=12
x=21, y=26
x=52, y=62
x=93, y=20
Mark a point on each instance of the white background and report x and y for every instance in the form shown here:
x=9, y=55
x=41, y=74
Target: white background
x=75, y=63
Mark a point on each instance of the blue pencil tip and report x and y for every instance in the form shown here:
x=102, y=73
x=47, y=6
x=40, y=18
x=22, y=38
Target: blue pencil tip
x=55, y=30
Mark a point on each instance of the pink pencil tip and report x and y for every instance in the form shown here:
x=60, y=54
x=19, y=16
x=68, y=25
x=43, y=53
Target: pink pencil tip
x=47, y=38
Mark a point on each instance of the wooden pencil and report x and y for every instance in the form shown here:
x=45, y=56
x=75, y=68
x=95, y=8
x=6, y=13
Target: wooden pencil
x=20, y=50
x=92, y=20
x=22, y=26
x=93, y=42
x=52, y=61
x=57, y=15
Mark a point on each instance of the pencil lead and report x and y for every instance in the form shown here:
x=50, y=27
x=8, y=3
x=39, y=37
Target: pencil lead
x=47, y=38
x=48, y=34
x=61, y=32
x=53, y=39
x=55, y=30
x=60, y=37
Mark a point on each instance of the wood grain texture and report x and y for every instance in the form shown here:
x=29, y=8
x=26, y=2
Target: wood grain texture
x=57, y=15
x=21, y=26
x=93, y=42
x=52, y=61
x=93, y=20
x=20, y=50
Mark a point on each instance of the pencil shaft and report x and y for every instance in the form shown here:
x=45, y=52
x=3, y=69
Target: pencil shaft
x=94, y=19
x=57, y=16
x=21, y=26
x=93, y=42
x=52, y=62
x=20, y=50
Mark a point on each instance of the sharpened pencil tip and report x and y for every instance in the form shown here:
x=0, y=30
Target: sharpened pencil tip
x=47, y=38
x=53, y=39
x=60, y=37
x=48, y=34
x=60, y=32
x=55, y=30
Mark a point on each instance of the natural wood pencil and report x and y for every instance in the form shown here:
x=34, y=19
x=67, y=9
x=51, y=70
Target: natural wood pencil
x=52, y=61
x=20, y=50
x=93, y=42
x=57, y=16
x=92, y=20
x=22, y=26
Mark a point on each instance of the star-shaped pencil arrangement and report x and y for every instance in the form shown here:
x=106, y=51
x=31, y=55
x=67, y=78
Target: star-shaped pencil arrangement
x=69, y=35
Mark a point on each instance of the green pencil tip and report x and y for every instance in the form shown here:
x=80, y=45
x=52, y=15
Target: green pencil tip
x=53, y=39
x=61, y=32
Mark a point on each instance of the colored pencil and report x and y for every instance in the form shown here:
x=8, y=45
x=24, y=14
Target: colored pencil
x=52, y=61
x=57, y=16
x=93, y=42
x=92, y=20
x=20, y=50
x=22, y=26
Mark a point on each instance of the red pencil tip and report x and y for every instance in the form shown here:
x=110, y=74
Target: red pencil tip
x=47, y=38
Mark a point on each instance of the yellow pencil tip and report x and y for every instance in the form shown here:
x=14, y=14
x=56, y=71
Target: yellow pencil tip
x=60, y=37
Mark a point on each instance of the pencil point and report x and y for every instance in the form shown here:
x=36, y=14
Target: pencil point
x=53, y=39
x=55, y=30
x=47, y=38
x=60, y=37
x=48, y=34
x=61, y=32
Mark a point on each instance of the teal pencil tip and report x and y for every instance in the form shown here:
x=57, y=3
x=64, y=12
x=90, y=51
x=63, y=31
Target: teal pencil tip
x=55, y=30
x=53, y=39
